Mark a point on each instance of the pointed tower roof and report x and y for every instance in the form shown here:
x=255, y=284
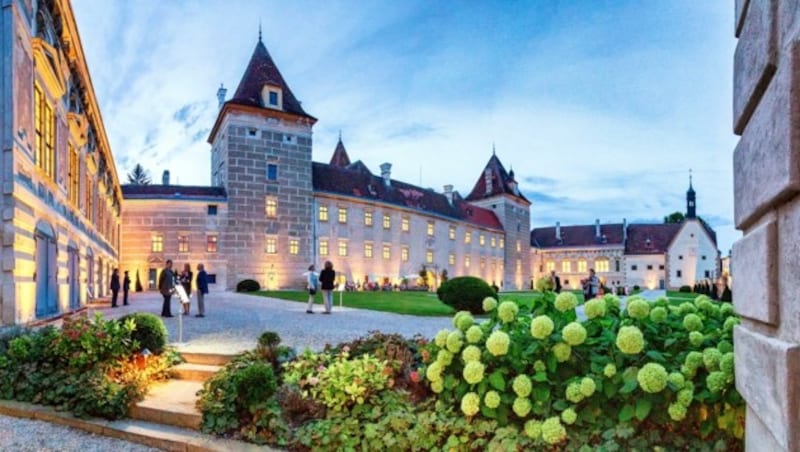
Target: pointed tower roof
x=691, y=189
x=495, y=181
x=340, y=157
x=262, y=71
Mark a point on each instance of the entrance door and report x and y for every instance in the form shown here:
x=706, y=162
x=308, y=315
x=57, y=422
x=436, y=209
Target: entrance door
x=45, y=276
x=101, y=278
x=74, y=270
x=152, y=277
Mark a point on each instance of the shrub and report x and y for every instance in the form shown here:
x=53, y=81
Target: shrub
x=149, y=332
x=685, y=289
x=7, y=334
x=254, y=384
x=248, y=285
x=465, y=293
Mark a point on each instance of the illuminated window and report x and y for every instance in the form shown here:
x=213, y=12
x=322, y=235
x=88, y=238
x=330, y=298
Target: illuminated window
x=323, y=213
x=405, y=223
x=342, y=248
x=294, y=246
x=468, y=237
x=430, y=229
x=387, y=221
x=157, y=243
x=502, y=242
x=342, y=215
x=519, y=246
x=272, y=207
x=550, y=266
x=404, y=254
x=323, y=247
x=429, y=256
x=601, y=266
x=272, y=245
x=452, y=232
x=519, y=265
x=45, y=125
x=73, y=177
x=387, y=252
x=581, y=266
x=90, y=188
x=481, y=240
x=451, y=259
x=211, y=243
x=367, y=249
x=492, y=242
x=566, y=267
x=183, y=244
x=367, y=218
x=466, y=261
x=483, y=263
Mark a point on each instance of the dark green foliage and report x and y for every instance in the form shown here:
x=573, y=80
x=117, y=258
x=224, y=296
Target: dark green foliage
x=269, y=339
x=248, y=285
x=726, y=295
x=9, y=333
x=685, y=289
x=465, y=293
x=254, y=384
x=150, y=331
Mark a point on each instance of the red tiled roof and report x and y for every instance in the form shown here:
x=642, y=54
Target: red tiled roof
x=357, y=181
x=340, y=157
x=651, y=238
x=501, y=182
x=172, y=191
x=575, y=236
x=261, y=71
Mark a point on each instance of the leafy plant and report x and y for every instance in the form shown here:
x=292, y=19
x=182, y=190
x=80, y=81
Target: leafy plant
x=150, y=331
x=465, y=293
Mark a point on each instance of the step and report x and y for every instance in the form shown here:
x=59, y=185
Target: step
x=194, y=372
x=171, y=403
x=211, y=359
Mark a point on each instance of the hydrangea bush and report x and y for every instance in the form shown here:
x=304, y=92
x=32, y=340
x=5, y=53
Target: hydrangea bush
x=652, y=374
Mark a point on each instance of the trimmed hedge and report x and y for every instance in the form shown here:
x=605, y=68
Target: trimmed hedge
x=465, y=293
x=685, y=289
x=248, y=285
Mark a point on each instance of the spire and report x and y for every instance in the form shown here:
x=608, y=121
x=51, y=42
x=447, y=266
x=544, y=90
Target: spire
x=691, y=205
x=259, y=30
x=495, y=181
x=340, y=157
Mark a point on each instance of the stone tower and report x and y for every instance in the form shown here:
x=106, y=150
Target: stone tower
x=261, y=155
x=497, y=190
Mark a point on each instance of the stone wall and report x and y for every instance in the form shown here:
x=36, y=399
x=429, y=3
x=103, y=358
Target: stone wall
x=766, y=261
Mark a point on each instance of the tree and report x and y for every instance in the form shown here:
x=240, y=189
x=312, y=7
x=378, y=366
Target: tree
x=138, y=176
x=674, y=217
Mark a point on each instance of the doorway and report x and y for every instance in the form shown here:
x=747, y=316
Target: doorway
x=46, y=271
x=74, y=277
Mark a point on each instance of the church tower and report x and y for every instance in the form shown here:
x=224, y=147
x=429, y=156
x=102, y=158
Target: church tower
x=261, y=155
x=496, y=189
x=691, y=207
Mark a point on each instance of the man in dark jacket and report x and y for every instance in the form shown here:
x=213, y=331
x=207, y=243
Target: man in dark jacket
x=166, y=283
x=202, y=289
x=114, y=287
x=126, y=287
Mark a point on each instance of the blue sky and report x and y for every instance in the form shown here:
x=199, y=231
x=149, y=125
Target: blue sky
x=600, y=107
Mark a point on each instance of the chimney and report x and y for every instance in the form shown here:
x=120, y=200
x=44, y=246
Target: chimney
x=165, y=178
x=448, y=192
x=624, y=231
x=597, y=228
x=487, y=177
x=221, y=95
x=558, y=230
x=386, y=173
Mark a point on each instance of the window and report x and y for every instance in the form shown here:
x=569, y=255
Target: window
x=342, y=215
x=483, y=263
x=566, y=267
x=649, y=267
x=451, y=259
x=211, y=243
x=157, y=243
x=601, y=266
x=481, y=240
x=387, y=222
x=703, y=257
x=212, y=209
x=74, y=177
x=581, y=266
x=678, y=273
x=44, y=123
x=252, y=132
x=708, y=274
x=492, y=242
x=466, y=261
x=367, y=250
x=272, y=171
x=680, y=257
x=271, y=246
x=404, y=254
x=323, y=213
x=367, y=218
x=387, y=252
x=616, y=265
x=342, y=248
x=661, y=267
x=634, y=267
x=468, y=237
x=550, y=265
x=452, y=232
x=272, y=207
x=430, y=229
x=294, y=246
x=90, y=188
x=273, y=98
x=183, y=244
x=519, y=246
x=323, y=247
x=429, y=256
x=502, y=242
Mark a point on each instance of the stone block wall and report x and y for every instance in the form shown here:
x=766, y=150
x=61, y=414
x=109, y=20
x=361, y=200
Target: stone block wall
x=766, y=260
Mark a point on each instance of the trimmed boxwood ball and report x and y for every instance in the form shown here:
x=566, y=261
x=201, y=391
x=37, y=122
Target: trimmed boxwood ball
x=255, y=384
x=465, y=293
x=248, y=285
x=150, y=331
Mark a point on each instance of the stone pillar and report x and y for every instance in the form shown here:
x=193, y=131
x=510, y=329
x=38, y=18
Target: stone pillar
x=766, y=260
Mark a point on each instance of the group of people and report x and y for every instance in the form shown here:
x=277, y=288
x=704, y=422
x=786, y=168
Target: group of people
x=591, y=285
x=116, y=286
x=168, y=280
x=324, y=282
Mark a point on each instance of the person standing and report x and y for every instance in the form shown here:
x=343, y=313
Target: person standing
x=312, y=284
x=166, y=283
x=114, y=287
x=126, y=287
x=202, y=290
x=185, y=278
x=555, y=281
x=591, y=285
x=326, y=278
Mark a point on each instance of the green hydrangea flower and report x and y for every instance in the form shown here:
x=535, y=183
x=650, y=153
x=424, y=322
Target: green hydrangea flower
x=594, y=308
x=693, y=360
x=612, y=301
x=652, y=378
x=542, y=326
x=638, y=308
x=726, y=309
x=610, y=370
x=685, y=397
x=471, y=353
x=474, y=334
x=441, y=338
x=573, y=392
x=437, y=386
x=687, y=308
x=498, y=343
x=716, y=381
x=464, y=321
x=688, y=372
x=658, y=314
x=696, y=338
x=588, y=386
x=692, y=322
x=522, y=386
x=539, y=366
x=574, y=333
x=521, y=407
x=700, y=299
x=507, y=311
x=661, y=302
x=489, y=304
x=569, y=416
x=566, y=301
x=725, y=347
x=676, y=412
x=470, y=404
x=473, y=372
x=705, y=305
x=726, y=363
x=630, y=340
x=729, y=323
x=434, y=372
x=711, y=358
x=533, y=429
x=491, y=399
x=455, y=341
x=676, y=379
x=562, y=351
x=444, y=358
x=552, y=430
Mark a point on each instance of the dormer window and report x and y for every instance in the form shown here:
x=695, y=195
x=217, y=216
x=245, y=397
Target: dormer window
x=272, y=97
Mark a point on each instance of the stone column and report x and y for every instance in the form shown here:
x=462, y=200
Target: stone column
x=766, y=261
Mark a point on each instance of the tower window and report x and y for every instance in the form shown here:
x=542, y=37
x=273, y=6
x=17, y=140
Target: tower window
x=212, y=209
x=678, y=273
x=273, y=98
x=272, y=171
